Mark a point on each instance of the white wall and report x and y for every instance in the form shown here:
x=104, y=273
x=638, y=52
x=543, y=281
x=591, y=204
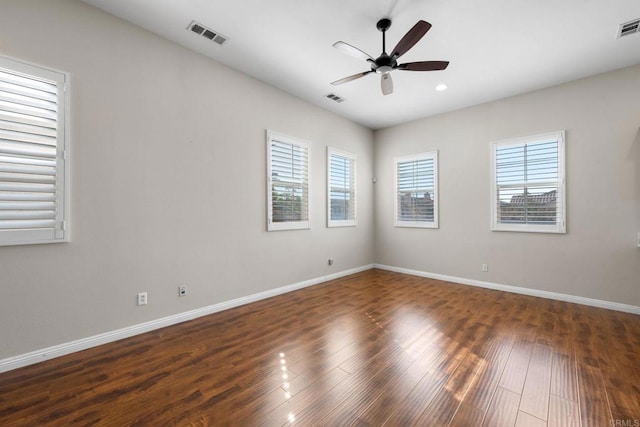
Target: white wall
x=168, y=183
x=597, y=258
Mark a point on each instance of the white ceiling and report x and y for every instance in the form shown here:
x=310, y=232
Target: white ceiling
x=496, y=48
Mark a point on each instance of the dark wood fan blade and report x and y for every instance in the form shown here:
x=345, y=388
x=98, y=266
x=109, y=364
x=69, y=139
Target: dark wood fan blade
x=424, y=66
x=348, y=79
x=352, y=50
x=411, y=38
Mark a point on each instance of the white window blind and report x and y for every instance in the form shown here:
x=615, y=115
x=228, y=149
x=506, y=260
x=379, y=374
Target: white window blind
x=528, y=184
x=341, y=176
x=288, y=182
x=416, y=190
x=32, y=154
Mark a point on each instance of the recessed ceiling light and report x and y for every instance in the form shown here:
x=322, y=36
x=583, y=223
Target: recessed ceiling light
x=441, y=87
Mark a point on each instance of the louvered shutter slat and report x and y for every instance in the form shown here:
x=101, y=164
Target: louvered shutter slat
x=40, y=113
x=25, y=187
x=27, y=224
x=7, y=135
x=14, y=126
x=29, y=215
x=25, y=119
x=37, y=103
x=26, y=205
x=27, y=169
x=6, y=196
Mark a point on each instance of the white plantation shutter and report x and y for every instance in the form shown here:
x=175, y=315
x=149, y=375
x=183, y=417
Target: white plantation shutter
x=416, y=190
x=341, y=185
x=288, y=182
x=32, y=178
x=528, y=184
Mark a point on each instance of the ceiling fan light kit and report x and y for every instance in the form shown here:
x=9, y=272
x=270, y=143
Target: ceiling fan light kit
x=385, y=63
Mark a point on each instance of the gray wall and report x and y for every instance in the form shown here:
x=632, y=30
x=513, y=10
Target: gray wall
x=597, y=258
x=168, y=186
x=168, y=183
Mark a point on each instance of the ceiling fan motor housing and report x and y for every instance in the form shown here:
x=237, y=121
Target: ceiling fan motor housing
x=384, y=64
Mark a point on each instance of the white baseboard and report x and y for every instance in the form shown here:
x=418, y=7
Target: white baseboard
x=41, y=355
x=518, y=290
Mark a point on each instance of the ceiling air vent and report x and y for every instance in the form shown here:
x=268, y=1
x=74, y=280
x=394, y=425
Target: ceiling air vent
x=207, y=33
x=630, y=27
x=334, y=97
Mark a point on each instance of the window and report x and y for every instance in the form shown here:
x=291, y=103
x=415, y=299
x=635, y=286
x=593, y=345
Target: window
x=33, y=175
x=528, y=184
x=341, y=188
x=416, y=190
x=288, y=182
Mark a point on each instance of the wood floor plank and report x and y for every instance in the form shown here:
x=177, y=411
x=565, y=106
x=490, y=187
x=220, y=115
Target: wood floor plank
x=348, y=396
x=382, y=403
x=430, y=396
x=624, y=406
x=410, y=409
x=370, y=349
x=467, y=415
x=445, y=404
x=563, y=412
x=563, y=376
x=593, y=400
x=535, y=395
x=515, y=371
x=295, y=404
x=481, y=392
x=503, y=410
x=526, y=420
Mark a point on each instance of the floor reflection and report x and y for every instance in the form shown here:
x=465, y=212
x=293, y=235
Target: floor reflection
x=285, y=384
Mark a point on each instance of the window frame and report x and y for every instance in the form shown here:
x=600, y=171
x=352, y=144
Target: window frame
x=435, y=224
x=287, y=225
x=560, y=227
x=62, y=230
x=351, y=222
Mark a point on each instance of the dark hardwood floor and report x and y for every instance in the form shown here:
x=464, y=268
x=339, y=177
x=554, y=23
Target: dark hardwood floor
x=375, y=348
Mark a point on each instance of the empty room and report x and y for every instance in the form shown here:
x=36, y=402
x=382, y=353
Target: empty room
x=322, y=213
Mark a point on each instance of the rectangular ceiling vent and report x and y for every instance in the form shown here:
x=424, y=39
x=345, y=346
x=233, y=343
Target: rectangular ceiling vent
x=334, y=97
x=630, y=27
x=207, y=33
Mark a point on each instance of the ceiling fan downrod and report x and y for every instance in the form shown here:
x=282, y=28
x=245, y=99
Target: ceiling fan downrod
x=384, y=64
x=383, y=25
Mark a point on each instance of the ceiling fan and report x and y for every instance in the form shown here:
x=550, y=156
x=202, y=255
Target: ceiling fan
x=385, y=63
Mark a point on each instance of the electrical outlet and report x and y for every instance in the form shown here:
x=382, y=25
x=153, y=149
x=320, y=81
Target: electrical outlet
x=330, y=261
x=142, y=298
x=485, y=267
x=182, y=290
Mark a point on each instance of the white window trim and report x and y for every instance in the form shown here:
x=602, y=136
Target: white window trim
x=63, y=145
x=560, y=227
x=436, y=204
x=343, y=222
x=288, y=225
